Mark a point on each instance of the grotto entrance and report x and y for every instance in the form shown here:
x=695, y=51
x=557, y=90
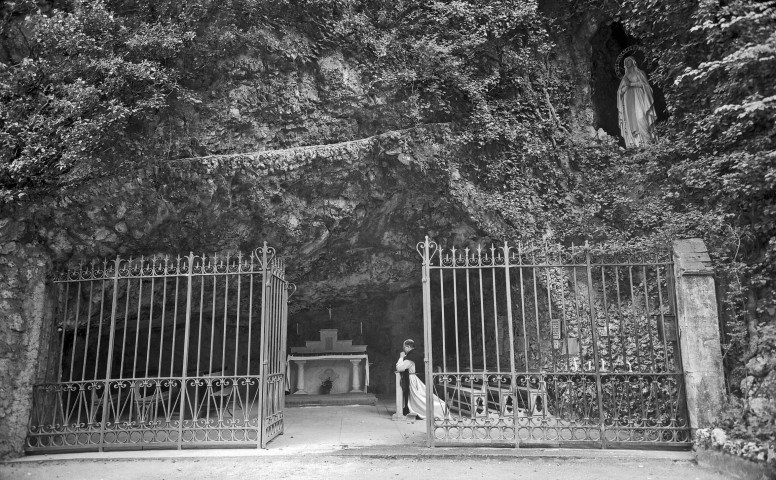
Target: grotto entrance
x=538, y=346
x=165, y=352
x=608, y=43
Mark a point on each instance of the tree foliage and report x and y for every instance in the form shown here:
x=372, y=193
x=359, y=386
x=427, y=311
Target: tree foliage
x=83, y=94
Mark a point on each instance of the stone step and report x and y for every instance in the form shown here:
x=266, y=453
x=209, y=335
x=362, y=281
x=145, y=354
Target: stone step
x=333, y=399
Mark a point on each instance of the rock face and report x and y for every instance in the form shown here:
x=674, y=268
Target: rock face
x=346, y=214
x=346, y=217
x=26, y=322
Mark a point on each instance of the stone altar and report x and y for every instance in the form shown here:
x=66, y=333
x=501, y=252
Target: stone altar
x=347, y=366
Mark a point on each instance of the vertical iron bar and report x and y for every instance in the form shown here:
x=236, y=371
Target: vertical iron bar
x=226, y=317
x=621, y=320
x=112, y=337
x=534, y=267
x=278, y=391
x=675, y=347
x=175, y=321
x=459, y=378
x=594, y=327
x=623, y=339
x=469, y=327
x=148, y=343
x=637, y=337
x=75, y=335
x=249, y=344
x=508, y=288
x=646, y=315
x=662, y=316
x=578, y=317
x=223, y=340
x=549, y=305
x=102, y=318
x=482, y=317
x=250, y=316
x=213, y=307
x=195, y=402
x=427, y=340
x=161, y=333
x=186, y=338
x=237, y=316
x=284, y=341
x=60, y=365
x=88, y=328
x=580, y=336
x=236, y=370
x=443, y=333
x=605, y=305
x=564, y=317
x=444, y=328
x=495, y=307
x=168, y=408
x=128, y=280
x=82, y=386
x=606, y=316
x=137, y=329
x=455, y=311
x=263, y=341
x=274, y=338
x=522, y=307
x=150, y=322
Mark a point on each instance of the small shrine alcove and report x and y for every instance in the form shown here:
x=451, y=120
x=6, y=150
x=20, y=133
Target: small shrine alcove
x=607, y=44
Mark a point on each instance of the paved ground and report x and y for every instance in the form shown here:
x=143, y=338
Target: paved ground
x=326, y=467
x=357, y=442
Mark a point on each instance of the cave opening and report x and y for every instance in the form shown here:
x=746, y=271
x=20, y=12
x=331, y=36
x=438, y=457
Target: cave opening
x=607, y=44
x=381, y=320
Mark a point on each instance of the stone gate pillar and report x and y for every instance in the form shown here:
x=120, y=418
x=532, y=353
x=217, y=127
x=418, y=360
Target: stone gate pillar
x=699, y=338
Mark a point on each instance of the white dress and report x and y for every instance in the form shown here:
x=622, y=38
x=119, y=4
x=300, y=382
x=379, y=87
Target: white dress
x=636, y=107
x=417, y=397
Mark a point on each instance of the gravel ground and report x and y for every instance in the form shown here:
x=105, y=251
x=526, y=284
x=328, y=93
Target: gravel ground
x=355, y=467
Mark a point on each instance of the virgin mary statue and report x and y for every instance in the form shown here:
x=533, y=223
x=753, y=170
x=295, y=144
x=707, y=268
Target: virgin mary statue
x=636, y=107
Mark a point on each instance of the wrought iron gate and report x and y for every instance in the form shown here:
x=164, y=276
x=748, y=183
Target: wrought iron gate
x=550, y=346
x=165, y=352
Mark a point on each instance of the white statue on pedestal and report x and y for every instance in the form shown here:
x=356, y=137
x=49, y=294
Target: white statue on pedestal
x=636, y=107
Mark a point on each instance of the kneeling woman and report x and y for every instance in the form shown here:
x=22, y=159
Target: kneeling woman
x=413, y=389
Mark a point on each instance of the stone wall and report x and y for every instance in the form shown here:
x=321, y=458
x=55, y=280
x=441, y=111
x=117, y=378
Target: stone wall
x=25, y=321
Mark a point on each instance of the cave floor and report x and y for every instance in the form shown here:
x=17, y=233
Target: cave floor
x=356, y=430
x=327, y=428
x=354, y=441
